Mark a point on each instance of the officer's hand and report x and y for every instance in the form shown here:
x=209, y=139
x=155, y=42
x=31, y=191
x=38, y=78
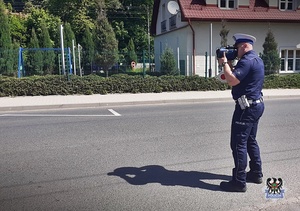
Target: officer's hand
x=223, y=59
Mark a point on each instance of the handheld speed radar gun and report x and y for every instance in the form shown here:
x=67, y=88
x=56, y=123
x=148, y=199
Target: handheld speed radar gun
x=231, y=54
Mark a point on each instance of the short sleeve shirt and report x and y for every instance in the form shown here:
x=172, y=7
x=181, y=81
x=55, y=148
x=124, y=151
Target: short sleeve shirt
x=250, y=72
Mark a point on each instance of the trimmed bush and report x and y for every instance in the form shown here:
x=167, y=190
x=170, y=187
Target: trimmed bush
x=291, y=81
x=122, y=83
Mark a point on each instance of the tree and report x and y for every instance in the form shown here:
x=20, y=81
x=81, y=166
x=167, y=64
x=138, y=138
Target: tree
x=106, y=51
x=131, y=21
x=88, y=49
x=270, y=54
x=80, y=13
x=224, y=33
x=6, y=63
x=17, y=29
x=48, y=55
x=76, y=13
x=168, y=62
x=34, y=62
x=131, y=55
x=65, y=9
x=68, y=36
x=119, y=24
x=35, y=19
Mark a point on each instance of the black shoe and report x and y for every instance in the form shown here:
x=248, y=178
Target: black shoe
x=254, y=179
x=232, y=187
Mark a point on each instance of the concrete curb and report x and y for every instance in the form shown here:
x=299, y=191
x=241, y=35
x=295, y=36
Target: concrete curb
x=80, y=101
x=87, y=105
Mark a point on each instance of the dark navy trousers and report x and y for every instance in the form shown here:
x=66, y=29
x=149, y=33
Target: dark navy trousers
x=243, y=141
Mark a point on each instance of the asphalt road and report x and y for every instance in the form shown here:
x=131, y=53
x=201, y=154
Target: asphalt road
x=147, y=157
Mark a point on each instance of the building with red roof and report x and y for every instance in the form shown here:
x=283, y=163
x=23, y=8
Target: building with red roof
x=192, y=29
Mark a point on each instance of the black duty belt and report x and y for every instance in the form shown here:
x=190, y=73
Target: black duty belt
x=260, y=100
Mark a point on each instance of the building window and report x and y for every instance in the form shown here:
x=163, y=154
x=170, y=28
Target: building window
x=163, y=26
x=172, y=22
x=290, y=60
x=227, y=4
x=286, y=4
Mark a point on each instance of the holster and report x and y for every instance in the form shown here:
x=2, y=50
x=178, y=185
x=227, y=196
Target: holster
x=243, y=102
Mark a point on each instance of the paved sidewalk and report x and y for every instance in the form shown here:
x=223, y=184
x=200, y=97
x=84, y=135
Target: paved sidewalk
x=69, y=101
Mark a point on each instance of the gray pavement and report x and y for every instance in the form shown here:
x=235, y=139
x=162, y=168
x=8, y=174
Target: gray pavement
x=71, y=101
x=45, y=102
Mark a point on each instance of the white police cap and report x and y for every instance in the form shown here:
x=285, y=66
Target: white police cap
x=239, y=38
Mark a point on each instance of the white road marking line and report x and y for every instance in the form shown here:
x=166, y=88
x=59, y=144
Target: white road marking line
x=51, y=115
x=114, y=112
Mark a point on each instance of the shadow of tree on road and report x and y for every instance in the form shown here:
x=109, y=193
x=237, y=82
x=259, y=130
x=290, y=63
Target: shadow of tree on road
x=158, y=174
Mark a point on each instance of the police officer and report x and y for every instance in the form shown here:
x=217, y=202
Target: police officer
x=246, y=79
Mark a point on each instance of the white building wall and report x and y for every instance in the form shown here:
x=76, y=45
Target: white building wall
x=286, y=35
x=273, y=3
x=210, y=1
x=178, y=41
x=244, y=2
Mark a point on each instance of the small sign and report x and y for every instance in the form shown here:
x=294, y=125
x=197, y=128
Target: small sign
x=221, y=77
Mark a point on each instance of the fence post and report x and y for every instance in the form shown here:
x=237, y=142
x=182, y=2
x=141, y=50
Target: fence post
x=20, y=64
x=206, y=65
x=144, y=64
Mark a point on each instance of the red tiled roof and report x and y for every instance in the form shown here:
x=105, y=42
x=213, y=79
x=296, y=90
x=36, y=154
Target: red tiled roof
x=257, y=11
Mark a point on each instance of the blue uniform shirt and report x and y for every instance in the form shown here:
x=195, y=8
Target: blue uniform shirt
x=250, y=72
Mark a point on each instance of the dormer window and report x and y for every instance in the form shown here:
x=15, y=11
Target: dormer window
x=286, y=4
x=227, y=4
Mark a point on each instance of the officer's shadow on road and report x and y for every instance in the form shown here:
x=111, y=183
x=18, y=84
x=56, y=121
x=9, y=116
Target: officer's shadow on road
x=158, y=174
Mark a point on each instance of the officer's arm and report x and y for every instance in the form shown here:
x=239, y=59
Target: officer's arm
x=230, y=78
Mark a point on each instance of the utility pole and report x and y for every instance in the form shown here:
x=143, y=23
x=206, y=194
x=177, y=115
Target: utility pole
x=149, y=49
x=62, y=49
x=74, y=62
x=79, y=59
x=210, y=51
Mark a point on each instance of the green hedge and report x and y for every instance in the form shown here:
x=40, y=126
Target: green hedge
x=121, y=83
x=291, y=81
